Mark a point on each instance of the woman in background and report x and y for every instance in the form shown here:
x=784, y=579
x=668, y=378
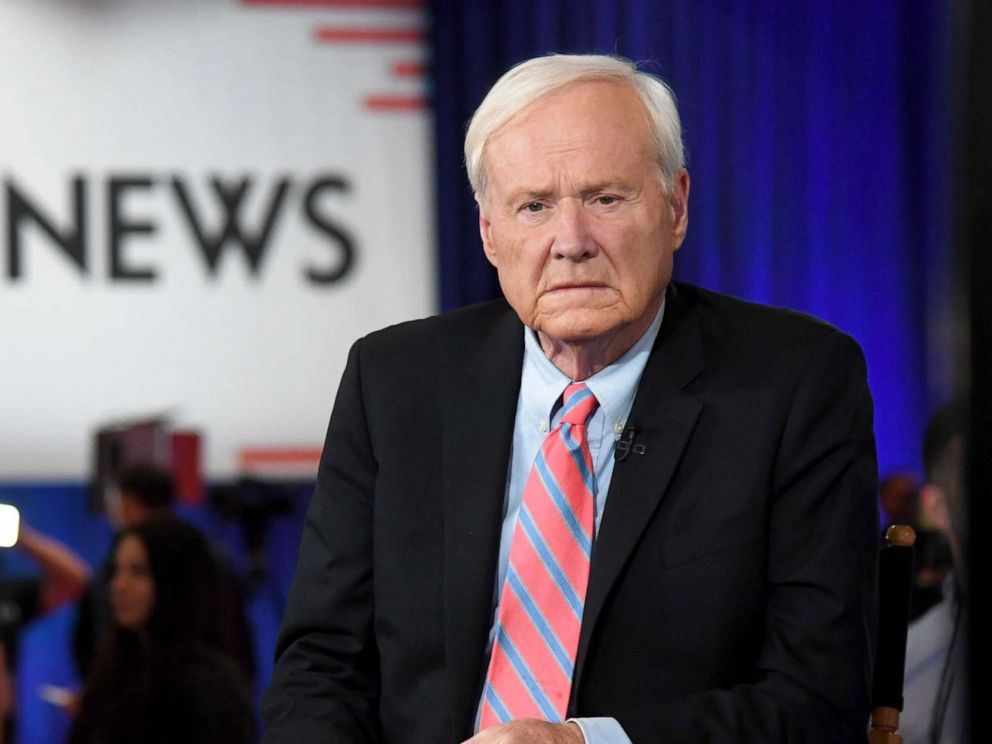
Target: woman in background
x=162, y=674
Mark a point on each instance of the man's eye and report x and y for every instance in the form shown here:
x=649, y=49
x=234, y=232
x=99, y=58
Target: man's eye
x=534, y=207
x=606, y=200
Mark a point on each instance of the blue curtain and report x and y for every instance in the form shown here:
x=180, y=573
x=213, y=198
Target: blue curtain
x=817, y=151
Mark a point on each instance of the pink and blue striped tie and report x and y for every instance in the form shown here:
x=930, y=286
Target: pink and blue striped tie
x=540, y=613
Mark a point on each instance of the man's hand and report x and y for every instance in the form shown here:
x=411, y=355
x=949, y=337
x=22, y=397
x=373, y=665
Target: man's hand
x=530, y=731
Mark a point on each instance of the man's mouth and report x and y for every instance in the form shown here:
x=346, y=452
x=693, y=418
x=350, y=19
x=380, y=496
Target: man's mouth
x=565, y=286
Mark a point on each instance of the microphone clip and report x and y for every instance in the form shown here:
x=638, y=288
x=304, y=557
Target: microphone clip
x=626, y=444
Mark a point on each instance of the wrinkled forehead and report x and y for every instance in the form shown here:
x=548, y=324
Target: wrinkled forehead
x=599, y=129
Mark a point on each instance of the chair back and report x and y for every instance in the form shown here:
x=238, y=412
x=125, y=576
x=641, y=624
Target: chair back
x=895, y=584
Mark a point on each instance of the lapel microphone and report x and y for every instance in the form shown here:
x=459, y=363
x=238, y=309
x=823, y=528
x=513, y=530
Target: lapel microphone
x=626, y=444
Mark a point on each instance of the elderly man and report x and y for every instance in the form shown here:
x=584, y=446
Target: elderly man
x=612, y=508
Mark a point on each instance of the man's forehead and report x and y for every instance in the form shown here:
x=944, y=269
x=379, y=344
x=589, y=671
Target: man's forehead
x=565, y=146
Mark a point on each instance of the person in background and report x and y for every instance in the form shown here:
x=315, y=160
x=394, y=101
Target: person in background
x=899, y=496
x=935, y=693
x=158, y=675
x=64, y=579
x=147, y=491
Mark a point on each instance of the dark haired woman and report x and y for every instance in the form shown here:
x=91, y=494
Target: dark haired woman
x=161, y=674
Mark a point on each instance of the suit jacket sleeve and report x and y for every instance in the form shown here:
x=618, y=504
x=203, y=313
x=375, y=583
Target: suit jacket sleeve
x=324, y=685
x=811, y=681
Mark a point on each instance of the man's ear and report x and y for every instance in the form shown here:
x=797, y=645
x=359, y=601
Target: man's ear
x=485, y=228
x=680, y=207
x=933, y=504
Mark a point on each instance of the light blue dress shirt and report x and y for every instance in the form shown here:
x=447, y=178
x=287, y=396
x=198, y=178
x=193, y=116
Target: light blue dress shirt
x=538, y=411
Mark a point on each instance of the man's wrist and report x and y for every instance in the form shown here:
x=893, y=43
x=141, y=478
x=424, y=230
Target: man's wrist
x=575, y=729
x=600, y=730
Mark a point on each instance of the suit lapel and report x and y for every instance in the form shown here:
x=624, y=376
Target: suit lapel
x=479, y=412
x=663, y=416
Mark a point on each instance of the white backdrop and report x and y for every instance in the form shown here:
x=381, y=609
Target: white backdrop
x=144, y=94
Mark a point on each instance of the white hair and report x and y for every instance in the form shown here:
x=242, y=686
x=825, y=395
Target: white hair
x=528, y=81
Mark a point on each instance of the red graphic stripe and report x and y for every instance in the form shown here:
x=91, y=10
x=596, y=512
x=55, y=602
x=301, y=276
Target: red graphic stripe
x=368, y=35
x=337, y=3
x=409, y=69
x=395, y=103
x=280, y=456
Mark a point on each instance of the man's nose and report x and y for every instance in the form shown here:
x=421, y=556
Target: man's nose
x=573, y=238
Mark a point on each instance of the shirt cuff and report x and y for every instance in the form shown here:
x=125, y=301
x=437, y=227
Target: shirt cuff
x=601, y=730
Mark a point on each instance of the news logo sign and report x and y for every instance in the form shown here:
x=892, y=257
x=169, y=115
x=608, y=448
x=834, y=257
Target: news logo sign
x=203, y=204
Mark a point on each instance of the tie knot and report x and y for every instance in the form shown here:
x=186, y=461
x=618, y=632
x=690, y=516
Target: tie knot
x=578, y=404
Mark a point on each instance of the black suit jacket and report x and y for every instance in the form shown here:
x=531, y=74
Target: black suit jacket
x=731, y=594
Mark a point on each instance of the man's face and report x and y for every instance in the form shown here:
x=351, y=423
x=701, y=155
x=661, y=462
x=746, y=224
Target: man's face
x=576, y=220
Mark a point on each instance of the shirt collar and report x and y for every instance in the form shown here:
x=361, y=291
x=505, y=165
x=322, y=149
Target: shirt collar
x=614, y=386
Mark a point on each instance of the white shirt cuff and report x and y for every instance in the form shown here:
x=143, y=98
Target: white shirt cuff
x=601, y=730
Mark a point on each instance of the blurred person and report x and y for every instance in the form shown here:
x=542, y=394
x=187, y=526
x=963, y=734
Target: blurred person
x=147, y=491
x=611, y=508
x=143, y=490
x=64, y=579
x=935, y=692
x=899, y=496
x=932, y=563
x=158, y=675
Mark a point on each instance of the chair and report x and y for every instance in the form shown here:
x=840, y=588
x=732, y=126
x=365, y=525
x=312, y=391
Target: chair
x=895, y=583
